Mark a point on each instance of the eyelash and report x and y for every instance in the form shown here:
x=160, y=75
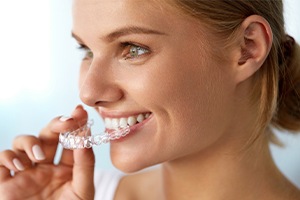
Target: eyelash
x=126, y=51
x=87, y=52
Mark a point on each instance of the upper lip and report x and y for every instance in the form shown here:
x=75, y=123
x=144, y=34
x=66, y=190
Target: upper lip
x=119, y=114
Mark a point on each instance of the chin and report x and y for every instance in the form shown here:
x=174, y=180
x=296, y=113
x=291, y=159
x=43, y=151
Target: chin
x=128, y=165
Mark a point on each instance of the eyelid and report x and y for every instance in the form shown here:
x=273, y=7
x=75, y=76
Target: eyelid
x=82, y=47
x=129, y=43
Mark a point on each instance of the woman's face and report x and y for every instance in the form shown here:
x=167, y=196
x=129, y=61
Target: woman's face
x=147, y=59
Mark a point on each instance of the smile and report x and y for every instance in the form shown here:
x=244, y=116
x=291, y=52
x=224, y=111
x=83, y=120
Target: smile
x=114, y=123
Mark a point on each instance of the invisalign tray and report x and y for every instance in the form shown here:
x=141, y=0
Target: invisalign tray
x=81, y=137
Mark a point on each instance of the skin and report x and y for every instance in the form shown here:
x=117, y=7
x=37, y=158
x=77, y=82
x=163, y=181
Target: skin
x=201, y=115
x=119, y=87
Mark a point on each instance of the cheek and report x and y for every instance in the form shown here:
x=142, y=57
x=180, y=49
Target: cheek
x=182, y=83
x=188, y=95
x=179, y=81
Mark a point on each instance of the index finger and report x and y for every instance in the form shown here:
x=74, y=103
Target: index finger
x=61, y=124
x=50, y=134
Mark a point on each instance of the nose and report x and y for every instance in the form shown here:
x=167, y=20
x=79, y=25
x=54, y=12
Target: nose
x=98, y=86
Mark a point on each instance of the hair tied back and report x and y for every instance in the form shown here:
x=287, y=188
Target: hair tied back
x=287, y=48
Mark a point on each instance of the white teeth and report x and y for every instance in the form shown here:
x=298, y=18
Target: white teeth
x=114, y=123
x=107, y=122
x=131, y=121
x=140, y=118
x=123, y=122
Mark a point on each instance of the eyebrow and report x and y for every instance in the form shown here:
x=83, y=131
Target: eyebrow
x=131, y=30
x=123, y=32
x=76, y=37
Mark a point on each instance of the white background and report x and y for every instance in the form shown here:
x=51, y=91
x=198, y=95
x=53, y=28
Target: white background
x=39, y=69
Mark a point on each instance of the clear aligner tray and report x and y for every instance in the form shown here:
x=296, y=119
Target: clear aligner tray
x=81, y=138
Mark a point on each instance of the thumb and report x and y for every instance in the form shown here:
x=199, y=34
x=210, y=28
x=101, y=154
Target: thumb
x=83, y=173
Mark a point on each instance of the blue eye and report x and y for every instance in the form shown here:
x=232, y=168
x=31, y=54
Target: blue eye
x=133, y=51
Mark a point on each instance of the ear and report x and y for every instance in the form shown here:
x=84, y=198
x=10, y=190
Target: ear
x=255, y=42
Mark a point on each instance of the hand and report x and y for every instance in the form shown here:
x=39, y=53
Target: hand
x=35, y=174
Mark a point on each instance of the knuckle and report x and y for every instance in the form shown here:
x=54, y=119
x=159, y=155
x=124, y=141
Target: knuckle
x=6, y=153
x=6, y=156
x=24, y=141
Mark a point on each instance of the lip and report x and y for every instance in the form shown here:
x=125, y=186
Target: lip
x=119, y=114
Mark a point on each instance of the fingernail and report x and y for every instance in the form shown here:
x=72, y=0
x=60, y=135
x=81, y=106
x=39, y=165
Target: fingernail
x=18, y=164
x=38, y=153
x=65, y=118
x=79, y=106
x=75, y=110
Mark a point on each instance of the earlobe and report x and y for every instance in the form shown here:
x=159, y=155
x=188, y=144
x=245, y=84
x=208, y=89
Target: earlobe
x=256, y=41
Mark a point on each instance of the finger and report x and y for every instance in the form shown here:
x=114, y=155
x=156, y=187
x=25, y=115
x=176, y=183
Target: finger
x=83, y=173
x=32, y=146
x=62, y=124
x=67, y=157
x=24, y=159
x=10, y=161
x=4, y=174
x=50, y=134
x=80, y=117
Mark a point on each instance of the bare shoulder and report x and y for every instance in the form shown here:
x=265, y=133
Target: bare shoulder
x=136, y=186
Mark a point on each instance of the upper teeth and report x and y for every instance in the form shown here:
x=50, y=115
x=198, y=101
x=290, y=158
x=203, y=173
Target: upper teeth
x=114, y=123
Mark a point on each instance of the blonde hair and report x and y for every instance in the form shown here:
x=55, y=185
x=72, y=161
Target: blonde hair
x=277, y=89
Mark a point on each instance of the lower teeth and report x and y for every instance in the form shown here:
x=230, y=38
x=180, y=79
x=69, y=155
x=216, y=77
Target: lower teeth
x=81, y=138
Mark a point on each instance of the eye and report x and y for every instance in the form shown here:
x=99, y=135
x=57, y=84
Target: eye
x=133, y=51
x=87, y=53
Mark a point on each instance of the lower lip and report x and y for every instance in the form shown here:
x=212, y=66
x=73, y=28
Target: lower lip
x=133, y=129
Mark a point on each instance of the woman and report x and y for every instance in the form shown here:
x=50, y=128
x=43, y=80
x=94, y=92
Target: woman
x=199, y=82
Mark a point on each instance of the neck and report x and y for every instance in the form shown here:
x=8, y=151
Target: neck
x=222, y=173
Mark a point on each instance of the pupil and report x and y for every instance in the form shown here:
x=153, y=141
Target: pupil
x=133, y=51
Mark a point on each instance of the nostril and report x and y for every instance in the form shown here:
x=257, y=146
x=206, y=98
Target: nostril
x=99, y=103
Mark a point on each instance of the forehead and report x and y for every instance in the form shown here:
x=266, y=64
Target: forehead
x=106, y=15
x=112, y=6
